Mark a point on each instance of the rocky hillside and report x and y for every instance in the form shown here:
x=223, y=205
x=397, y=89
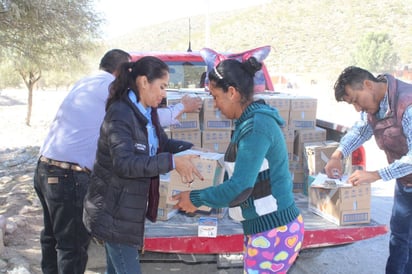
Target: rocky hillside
x=314, y=37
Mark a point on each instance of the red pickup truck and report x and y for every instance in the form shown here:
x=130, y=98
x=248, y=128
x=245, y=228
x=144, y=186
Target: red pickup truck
x=179, y=236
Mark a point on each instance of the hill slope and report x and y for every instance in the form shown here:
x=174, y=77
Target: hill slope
x=314, y=37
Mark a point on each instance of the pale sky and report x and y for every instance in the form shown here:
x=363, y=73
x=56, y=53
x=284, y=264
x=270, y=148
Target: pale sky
x=125, y=15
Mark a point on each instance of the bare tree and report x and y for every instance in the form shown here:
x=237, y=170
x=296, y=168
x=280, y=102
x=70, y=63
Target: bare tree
x=41, y=35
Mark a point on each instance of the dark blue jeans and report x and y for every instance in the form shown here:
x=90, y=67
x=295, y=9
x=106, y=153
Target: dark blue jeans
x=64, y=239
x=400, y=243
x=122, y=259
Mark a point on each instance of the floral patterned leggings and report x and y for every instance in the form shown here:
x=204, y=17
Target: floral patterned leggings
x=273, y=251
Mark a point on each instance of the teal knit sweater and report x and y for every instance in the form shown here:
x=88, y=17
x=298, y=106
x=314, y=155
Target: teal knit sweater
x=262, y=197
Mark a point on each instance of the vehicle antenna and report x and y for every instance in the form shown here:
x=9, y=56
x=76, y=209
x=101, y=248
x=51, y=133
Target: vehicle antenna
x=190, y=43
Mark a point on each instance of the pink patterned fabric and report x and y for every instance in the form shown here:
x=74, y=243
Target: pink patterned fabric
x=273, y=251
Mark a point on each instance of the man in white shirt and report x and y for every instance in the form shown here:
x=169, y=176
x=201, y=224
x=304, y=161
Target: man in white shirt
x=66, y=158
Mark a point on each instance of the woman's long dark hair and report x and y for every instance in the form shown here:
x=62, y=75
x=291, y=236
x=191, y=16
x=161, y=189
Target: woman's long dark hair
x=149, y=66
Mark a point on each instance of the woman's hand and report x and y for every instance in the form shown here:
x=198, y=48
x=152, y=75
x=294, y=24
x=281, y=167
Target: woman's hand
x=186, y=169
x=183, y=202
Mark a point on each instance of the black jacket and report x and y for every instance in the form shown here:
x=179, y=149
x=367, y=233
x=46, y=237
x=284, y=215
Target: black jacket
x=116, y=203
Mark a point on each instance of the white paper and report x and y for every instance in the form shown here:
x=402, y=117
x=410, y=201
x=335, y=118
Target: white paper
x=322, y=180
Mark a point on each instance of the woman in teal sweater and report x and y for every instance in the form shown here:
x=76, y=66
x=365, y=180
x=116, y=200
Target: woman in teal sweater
x=259, y=189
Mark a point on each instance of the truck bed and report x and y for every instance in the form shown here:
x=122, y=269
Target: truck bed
x=180, y=233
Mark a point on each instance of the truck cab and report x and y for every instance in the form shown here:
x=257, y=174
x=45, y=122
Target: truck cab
x=187, y=70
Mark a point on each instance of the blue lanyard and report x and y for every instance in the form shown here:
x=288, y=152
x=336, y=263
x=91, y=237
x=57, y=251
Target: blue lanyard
x=151, y=131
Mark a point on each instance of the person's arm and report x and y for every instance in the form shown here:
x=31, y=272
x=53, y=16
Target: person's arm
x=354, y=138
x=249, y=158
x=169, y=115
x=403, y=166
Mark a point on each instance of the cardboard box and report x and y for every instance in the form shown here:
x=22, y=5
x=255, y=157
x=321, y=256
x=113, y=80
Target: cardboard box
x=303, y=103
x=216, y=140
x=216, y=136
x=342, y=204
x=297, y=187
x=192, y=136
x=164, y=210
x=302, y=112
x=174, y=98
x=317, y=155
x=298, y=177
x=216, y=147
x=164, y=184
x=302, y=119
x=298, y=181
x=280, y=101
x=209, y=164
x=208, y=104
x=289, y=135
x=304, y=136
x=187, y=121
x=212, y=118
x=215, y=120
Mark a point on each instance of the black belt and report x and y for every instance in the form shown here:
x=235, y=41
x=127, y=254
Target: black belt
x=64, y=165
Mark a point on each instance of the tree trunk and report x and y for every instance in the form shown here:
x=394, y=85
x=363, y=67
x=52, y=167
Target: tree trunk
x=30, y=78
x=29, y=103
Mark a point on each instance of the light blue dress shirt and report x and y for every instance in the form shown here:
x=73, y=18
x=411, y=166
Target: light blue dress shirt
x=74, y=131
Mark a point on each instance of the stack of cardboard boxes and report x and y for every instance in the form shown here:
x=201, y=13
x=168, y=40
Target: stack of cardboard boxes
x=282, y=103
x=299, y=113
x=188, y=128
x=209, y=129
x=340, y=204
x=216, y=127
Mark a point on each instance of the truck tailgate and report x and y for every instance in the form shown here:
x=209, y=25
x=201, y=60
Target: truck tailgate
x=180, y=233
